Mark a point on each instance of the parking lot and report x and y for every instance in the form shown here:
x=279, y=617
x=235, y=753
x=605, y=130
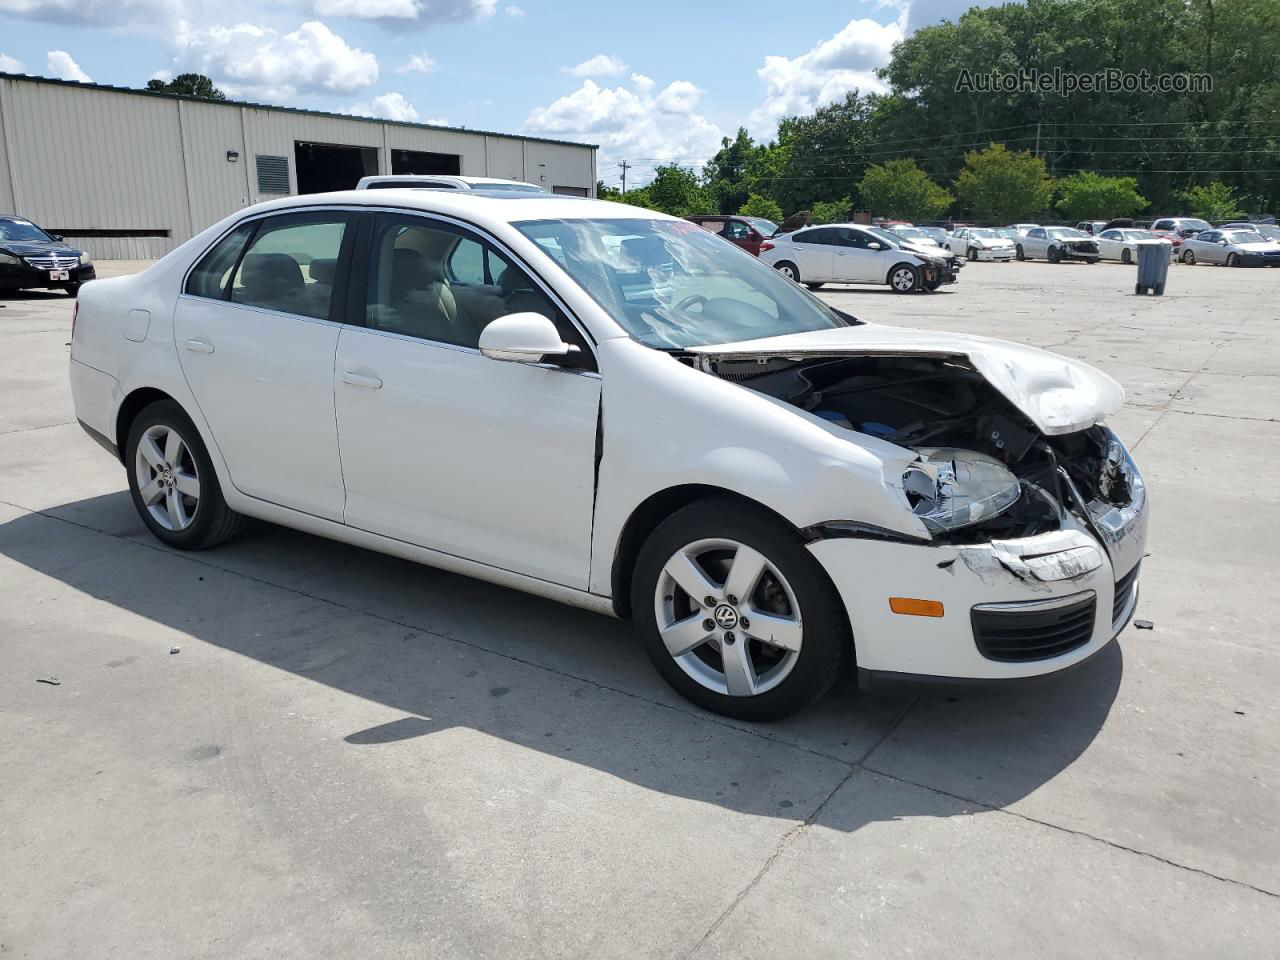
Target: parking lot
x=289, y=747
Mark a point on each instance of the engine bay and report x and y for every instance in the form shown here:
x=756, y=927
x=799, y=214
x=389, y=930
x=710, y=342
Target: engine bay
x=927, y=404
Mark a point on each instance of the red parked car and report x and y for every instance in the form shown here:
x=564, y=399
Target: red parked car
x=750, y=233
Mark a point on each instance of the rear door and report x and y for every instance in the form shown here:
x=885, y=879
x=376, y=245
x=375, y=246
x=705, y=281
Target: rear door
x=256, y=330
x=1036, y=243
x=815, y=253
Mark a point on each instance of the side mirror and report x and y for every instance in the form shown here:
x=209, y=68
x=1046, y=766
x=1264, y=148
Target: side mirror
x=1223, y=242
x=874, y=246
x=56, y=236
x=522, y=338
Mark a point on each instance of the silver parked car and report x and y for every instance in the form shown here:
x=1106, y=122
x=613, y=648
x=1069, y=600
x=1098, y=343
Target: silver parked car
x=980, y=243
x=1233, y=248
x=1056, y=244
x=1122, y=243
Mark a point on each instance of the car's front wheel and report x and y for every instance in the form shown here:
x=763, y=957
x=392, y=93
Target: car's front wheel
x=1054, y=256
x=1019, y=252
x=1125, y=256
x=1233, y=260
x=1189, y=257
x=904, y=278
x=172, y=481
x=971, y=253
x=788, y=270
x=736, y=614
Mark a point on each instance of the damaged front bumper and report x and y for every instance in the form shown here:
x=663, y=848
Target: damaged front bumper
x=1012, y=609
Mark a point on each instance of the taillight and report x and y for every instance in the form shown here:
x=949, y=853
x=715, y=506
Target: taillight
x=766, y=246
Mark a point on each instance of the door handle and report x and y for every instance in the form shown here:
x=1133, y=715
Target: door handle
x=198, y=345
x=360, y=380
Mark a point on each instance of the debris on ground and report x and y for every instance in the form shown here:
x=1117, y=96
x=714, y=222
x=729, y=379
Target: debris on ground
x=1144, y=624
x=173, y=650
x=51, y=681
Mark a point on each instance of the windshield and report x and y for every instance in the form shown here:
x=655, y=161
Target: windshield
x=893, y=241
x=1139, y=235
x=984, y=234
x=1066, y=233
x=1193, y=224
x=911, y=233
x=671, y=284
x=766, y=228
x=1245, y=236
x=934, y=232
x=21, y=230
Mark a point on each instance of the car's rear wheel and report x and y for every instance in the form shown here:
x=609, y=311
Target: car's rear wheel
x=788, y=270
x=173, y=483
x=736, y=614
x=1189, y=257
x=904, y=278
x=1125, y=256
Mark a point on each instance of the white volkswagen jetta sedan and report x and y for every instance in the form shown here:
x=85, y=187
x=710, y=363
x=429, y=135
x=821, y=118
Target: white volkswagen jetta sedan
x=615, y=409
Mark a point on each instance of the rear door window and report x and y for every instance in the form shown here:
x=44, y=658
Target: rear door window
x=209, y=278
x=291, y=265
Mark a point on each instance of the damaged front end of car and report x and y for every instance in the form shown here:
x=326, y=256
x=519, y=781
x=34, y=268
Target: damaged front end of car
x=1036, y=501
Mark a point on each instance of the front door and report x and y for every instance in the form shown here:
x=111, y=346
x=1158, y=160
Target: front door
x=488, y=460
x=256, y=341
x=856, y=258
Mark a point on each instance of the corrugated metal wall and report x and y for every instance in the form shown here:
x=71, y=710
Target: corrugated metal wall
x=79, y=157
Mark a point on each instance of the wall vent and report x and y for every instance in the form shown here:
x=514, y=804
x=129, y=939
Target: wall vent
x=273, y=174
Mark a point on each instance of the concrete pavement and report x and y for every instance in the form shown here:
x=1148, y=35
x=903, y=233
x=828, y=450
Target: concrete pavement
x=354, y=755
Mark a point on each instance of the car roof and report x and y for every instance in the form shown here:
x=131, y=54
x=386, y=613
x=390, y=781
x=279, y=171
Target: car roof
x=484, y=207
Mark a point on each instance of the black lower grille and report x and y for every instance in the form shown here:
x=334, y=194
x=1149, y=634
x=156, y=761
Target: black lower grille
x=1124, y=590
x=1018, y=632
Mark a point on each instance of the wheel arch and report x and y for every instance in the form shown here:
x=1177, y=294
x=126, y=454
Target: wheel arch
x=888, y=274
x=132, y=405
x=646, y=517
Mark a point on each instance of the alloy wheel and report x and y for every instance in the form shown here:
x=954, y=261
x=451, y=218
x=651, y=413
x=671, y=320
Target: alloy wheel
x=903, y=279
x=167, y=476
x=728, y=617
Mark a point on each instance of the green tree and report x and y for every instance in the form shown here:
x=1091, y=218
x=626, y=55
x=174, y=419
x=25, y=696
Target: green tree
x=831, y=211
x=819, y=157
x=1001, y=185
x=1214, y=201
x=1091, y=196
x=900, y=190
x=189, y=85
x=758, y=206
x=726, y=173
x=679, y=192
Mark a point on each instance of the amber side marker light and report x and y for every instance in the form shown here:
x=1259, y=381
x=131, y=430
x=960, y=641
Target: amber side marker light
x=915, y=608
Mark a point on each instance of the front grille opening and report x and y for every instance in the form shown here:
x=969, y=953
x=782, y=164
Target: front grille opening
x=1022, y=632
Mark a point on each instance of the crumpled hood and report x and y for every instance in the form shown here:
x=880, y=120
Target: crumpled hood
x=1059, y=395
x=926, y=249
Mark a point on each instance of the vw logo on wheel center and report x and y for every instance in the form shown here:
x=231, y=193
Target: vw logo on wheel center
x=726, y=617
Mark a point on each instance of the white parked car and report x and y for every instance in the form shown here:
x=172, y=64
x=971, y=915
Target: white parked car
x=1057, y=244
x=915, y=235
x=617, y=410
x=1022, y=228
x=849, y=253
x=1121, y=243
x=424, y=181
x=979, y=243
x=1232, y=248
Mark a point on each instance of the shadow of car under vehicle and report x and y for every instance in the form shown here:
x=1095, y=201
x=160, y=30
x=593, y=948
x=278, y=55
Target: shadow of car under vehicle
x=451, y=652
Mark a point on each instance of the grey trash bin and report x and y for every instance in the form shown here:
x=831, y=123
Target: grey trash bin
x=1153, y=267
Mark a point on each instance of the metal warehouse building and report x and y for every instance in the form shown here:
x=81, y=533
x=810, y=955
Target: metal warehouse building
x=131, y=174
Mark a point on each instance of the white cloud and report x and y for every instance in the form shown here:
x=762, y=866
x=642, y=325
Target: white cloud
x=387, y=106
x=631, y=123
x=601, y=65
x=110, y=13
x=437, y=121
x=9, y=64
x=401, y=13
x=257, y=61
x=512, y=10
x=60, y=64
x=847, y=61
x=418, y=63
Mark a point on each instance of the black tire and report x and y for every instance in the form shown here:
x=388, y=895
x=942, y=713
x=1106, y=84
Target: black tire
x=815, y=286
x=971, y=254
x=788, y=270
x=1233, y=260
x=826, y=640
x=72, y=289
x=893, y=279
x=1092, y=260
x=1125, y=256
x=1019, y=253
x=1054, y=256
x=213, y=521
x=1189, y=258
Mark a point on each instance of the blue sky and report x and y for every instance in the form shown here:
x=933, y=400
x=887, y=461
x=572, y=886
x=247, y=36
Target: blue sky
x=661, y=80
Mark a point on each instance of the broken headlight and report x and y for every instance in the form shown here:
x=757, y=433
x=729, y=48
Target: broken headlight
x=949, y=488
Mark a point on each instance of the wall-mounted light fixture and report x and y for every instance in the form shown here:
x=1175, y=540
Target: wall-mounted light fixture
x=232, y=156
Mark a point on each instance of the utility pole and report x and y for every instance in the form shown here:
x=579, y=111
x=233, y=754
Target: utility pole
x=624, y=165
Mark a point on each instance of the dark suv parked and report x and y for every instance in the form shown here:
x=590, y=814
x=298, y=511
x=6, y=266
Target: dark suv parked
x=30, y=257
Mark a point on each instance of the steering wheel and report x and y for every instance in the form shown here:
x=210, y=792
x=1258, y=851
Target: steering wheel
x=691, y=300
